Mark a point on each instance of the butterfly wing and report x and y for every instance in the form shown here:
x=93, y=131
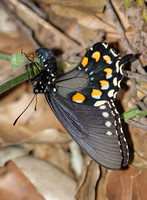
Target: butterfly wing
x=95, y=129
x=96, y=78
x=83, y=101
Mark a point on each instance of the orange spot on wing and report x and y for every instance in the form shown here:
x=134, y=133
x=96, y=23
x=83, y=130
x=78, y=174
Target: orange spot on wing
x=108, y=72
x=96, y=93
x=96, y=55
x=78, y=97
x=107, y=59
x=104, y=84
x=84, y=61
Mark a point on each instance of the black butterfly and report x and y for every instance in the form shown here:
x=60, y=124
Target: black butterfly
x=83, y=101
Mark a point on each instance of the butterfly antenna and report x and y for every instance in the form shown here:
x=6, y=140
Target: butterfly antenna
x=36, y=104
x=24, y=110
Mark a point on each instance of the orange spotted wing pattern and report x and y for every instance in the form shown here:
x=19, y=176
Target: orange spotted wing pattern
x=83, y=101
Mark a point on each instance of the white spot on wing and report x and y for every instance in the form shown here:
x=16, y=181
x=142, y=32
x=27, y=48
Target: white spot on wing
x=78, y=101
x=121, y=69
x=99, y=103
x=110, y=93
x=102, y=107
x=117, y=66
x=114, y=54
x=114, y=96
x=118, y=118
x=108, y=124
x=115, y=81
x=105, y=114
x=96, y=97
x=91, y=73
x=109, y=76
x=105, y=45
x=119, y=83
x=105, y=87
x=112, y=113
x=109, y=133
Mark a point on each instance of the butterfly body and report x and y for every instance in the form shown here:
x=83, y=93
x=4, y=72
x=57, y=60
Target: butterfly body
x=83, y=101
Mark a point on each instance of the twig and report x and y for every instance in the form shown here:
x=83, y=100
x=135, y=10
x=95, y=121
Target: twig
x=121, y=32
x=135, y=124
x=70, y=55
x=105, y=24
x=137, y=76
x=140, y=104
x=119, y=26
x=33, y=7
x=138, y=87
x=40, y=27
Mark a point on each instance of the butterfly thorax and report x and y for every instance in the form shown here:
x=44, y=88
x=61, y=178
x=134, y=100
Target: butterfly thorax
x=44, y=82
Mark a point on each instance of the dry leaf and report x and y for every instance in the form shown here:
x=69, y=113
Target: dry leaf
x=11, y=152
x=49, y=181
x=14, y=185
x=88, y=181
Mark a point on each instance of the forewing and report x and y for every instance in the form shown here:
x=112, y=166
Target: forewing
x=95, y=129
x=97, y=77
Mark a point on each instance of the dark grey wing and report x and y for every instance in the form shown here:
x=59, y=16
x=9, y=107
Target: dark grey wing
x=96, y=129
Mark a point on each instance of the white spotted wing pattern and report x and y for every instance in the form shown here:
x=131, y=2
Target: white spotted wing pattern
x=83, y=101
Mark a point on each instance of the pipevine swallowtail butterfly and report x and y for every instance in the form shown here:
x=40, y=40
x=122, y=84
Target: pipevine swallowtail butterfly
x=83, y=101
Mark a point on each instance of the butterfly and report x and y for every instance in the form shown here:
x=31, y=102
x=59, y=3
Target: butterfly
x=83, y=101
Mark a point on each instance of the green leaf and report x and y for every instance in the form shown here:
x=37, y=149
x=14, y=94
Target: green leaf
x=61, y=66
x=132, y=113
x=20, y=60
x=142, y=114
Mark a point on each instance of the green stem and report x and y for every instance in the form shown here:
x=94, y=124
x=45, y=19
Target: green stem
x=23, y=76
x=5, y=56
x=13, y=82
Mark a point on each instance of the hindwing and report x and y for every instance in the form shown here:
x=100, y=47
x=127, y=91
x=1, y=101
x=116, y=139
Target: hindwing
x=95, y=129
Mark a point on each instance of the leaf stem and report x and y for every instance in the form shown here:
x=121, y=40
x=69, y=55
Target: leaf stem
x=5, y=56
